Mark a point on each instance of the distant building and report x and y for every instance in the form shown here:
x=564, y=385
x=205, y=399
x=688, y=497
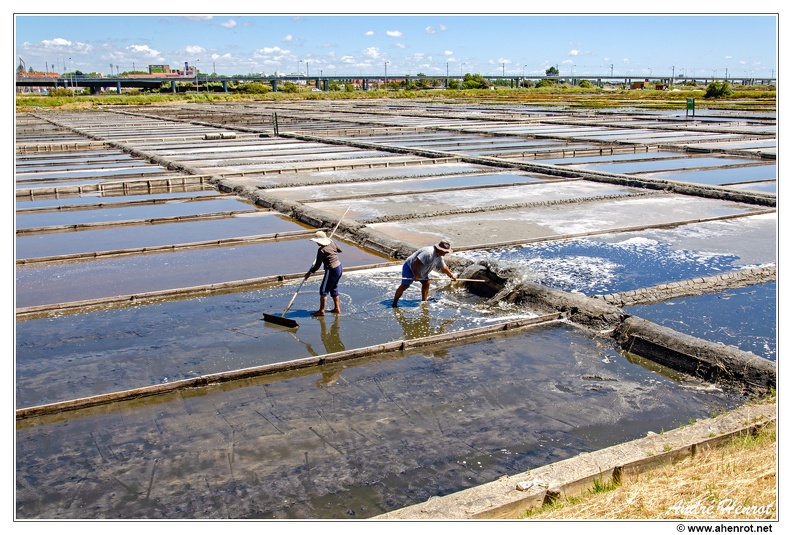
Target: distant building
x=159, y=69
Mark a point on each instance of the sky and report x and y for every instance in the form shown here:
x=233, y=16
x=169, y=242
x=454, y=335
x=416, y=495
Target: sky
x=659, y=45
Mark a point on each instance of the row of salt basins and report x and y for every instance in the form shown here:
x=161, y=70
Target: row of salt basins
x=148, y=245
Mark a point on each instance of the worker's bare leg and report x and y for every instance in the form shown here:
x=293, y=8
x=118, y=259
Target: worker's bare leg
x=322, y=303
x=398, y=294
x=424, y=290
x=337, y=307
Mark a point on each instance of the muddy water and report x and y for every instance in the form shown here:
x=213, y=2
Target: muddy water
x=352, y=440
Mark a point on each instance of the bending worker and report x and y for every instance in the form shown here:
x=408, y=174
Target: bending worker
x=327, y=255
x=419, y=265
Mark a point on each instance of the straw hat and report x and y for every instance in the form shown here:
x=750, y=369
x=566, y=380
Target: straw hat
x=321, y=238
x=444, y=246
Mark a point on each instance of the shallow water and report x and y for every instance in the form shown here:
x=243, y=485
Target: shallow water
x=722, y=176
x=663, y=165
x=136, y=274
x=354, y=439
x=627, y=261
x=141, y=345
x=137, y=236
x=744, y=318
x=112, y=214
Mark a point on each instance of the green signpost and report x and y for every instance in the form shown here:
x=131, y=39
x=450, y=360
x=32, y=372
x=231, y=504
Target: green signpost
x=691, y=108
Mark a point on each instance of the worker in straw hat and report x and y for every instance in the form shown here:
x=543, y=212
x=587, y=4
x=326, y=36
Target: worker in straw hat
x=419, y=265
x=327, y=256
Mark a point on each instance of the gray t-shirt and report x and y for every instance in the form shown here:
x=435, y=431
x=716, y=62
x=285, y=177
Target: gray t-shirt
x=429, y=261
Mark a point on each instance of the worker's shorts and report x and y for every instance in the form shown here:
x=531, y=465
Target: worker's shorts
x=330, y=281
x=407, y=274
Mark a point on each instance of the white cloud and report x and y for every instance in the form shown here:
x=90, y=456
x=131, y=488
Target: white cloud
x=573, y=52
x=369, y=33
x=230, y=23
x=56, y=42
x=287, y=39
x=143, y=50
x=372, y=52
x=72, y=47
x=448, y=52
x=393, y=33
x=400, y=45
x=430, y=30
x=347, y=59
x=193, y=49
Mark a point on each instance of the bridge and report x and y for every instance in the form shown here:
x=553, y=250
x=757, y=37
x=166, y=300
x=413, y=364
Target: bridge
x=97, y=84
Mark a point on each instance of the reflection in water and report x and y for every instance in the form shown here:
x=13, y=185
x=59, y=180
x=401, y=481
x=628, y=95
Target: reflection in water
x=331, y=338
x=420, y=325
x=414, y=326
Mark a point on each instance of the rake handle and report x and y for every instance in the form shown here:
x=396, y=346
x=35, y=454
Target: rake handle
x=458, y=280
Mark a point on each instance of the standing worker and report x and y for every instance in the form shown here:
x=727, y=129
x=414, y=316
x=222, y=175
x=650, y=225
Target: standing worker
x=327, y=255
x=419, y=265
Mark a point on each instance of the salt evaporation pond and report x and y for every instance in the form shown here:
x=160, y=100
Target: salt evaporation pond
x=122, y=348
x=161, y=234
x=620, y=262
x=112, y=214
x=741, y=317
x=722, y=176
x=351, y=440
x=117, y=276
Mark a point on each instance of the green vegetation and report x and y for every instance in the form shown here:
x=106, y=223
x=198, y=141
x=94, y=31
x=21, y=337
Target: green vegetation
x=472, y=87
x=718, y=90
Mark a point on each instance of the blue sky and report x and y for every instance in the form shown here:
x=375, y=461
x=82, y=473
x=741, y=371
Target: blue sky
x=700, y=45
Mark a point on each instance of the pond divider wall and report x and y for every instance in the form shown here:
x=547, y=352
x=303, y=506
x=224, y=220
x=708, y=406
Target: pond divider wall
x=270, y=369
x=712, y=362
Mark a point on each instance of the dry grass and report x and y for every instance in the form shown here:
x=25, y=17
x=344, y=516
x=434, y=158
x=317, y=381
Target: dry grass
x=734, y=482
